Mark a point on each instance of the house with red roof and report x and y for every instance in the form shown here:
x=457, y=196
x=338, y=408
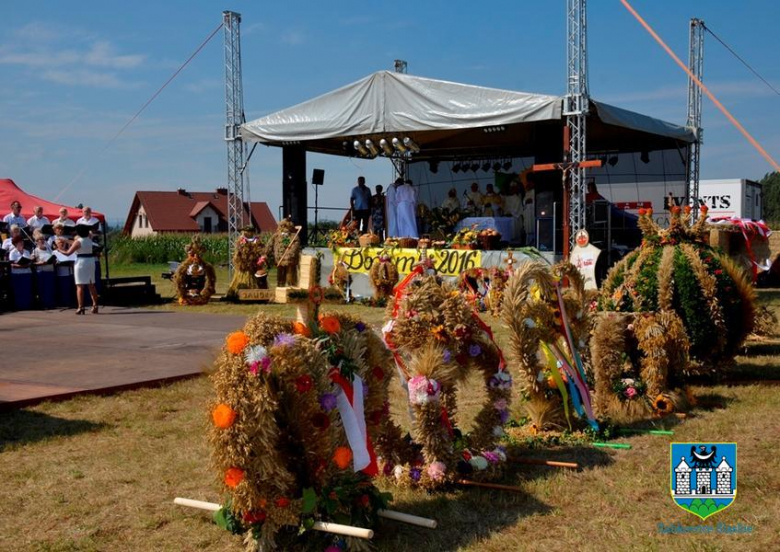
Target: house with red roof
x=191, y=212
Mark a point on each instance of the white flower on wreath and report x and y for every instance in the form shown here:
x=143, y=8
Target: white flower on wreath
x=479, y=463
x=398, y=472
x=255, y=353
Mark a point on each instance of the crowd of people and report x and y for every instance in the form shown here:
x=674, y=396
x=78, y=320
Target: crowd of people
x=395, y=213
x=36, y=249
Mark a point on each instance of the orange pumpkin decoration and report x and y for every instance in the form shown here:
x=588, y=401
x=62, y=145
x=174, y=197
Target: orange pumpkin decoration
x=233, y=477
x=330, y=324
x=223, y=416
x=299, y=328
x=237, y=342
x=342, y=457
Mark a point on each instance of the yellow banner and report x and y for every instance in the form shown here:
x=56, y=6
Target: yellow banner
x=448, y=262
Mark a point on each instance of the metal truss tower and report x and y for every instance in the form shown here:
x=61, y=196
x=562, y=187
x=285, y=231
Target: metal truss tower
x=575, y=108
x=696, y=65
x=234, y=109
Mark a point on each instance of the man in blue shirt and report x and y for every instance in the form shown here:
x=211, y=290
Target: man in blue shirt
x=360, y=203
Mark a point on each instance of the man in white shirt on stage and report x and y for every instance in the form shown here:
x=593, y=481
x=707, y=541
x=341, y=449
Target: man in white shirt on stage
x=15, y=216
x=38, y=220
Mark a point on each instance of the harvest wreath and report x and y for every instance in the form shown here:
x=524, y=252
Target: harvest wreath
x=300, y=410
x=437, y=339
x=549, y=325
x=195, y=279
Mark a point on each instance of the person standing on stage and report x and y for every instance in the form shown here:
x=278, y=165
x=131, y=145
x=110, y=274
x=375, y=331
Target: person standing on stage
x=391, y=208
x=84, y=269
x=64, y=220
x=495, y=200
x=38, y=221
x=406, y=200
x=378, y=212
x=476, y=198
x=513, y=207
x=15, y=216
x=360, y=203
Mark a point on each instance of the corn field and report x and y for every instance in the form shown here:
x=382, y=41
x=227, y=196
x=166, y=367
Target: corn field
x=162, y=248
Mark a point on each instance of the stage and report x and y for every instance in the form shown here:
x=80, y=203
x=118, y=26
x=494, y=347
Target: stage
x=54, y=355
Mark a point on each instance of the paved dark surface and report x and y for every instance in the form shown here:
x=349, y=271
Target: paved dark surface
x=55, y=354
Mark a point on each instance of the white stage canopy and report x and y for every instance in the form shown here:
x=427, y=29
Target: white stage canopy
x=436, y=111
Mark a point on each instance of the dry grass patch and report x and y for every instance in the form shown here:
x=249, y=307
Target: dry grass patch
x=99, y=473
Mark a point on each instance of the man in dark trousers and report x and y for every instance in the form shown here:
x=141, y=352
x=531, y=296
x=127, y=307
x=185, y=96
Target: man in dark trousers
x=360, y=203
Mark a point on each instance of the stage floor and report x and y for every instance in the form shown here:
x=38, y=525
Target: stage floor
x=53, y=355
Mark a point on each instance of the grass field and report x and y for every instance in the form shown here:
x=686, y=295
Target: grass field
x=100, y=473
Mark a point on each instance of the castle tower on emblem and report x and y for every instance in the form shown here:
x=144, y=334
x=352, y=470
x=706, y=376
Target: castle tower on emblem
x=682, y=474
x=704, y=481
x=723, y=475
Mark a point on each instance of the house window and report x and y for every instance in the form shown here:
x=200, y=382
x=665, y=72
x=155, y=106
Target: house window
x=207, y=225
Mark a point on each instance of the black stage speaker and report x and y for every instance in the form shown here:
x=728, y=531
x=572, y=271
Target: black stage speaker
x=318, y=177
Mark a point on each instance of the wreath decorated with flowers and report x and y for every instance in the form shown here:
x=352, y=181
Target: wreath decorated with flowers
x=286, y=433
x=383, y=275
x=675, y=307
x=549, y=325
x=437, y=339
x=195, y=279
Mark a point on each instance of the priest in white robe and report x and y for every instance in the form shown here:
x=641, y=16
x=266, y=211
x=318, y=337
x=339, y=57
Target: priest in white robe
x=406, y=210
x=391, y=207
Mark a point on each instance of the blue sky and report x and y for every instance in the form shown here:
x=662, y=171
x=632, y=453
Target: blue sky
x=74, y=73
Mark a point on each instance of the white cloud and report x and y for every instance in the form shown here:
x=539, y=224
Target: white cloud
x=203, y=85
x=86, y=77
x=68, y=56
x=102, y=54
x=294, y=37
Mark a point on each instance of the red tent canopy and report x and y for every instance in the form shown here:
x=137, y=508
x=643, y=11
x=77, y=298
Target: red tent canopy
x=10, y=192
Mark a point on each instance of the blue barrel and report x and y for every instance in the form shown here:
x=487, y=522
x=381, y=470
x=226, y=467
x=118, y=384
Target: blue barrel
x=22, y=289
x=46, y=284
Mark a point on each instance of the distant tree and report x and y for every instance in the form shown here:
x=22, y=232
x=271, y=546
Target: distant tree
x=771, y=196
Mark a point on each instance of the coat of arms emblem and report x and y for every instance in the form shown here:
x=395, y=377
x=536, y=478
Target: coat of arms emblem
x=703, y=476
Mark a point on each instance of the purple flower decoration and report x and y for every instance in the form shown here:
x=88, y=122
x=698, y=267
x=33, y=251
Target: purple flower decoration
x=415, y=473
x=360, y=327
x=447, y=356
x=503, y=415
x=284, y=340
x=491, y=457
x=475, y=350
x=328, y=401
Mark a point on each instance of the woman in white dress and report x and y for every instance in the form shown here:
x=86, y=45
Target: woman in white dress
x=84, y=269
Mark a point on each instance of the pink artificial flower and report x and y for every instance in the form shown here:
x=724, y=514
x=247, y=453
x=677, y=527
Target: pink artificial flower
x=265, y=364
x=254, y=367
x=630, y=393
x=436, y=471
